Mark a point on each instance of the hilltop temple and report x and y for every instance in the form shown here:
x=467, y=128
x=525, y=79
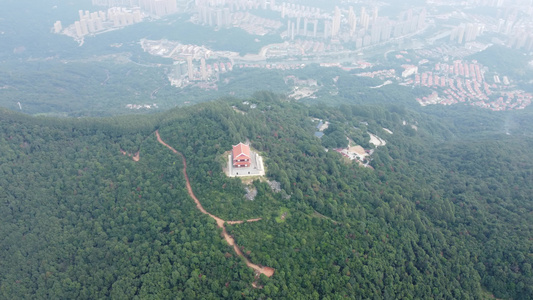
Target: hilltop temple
x=243, y=161
x=241, y=156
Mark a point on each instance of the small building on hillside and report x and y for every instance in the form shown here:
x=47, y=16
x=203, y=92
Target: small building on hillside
x=244, y=161
x=241, y=156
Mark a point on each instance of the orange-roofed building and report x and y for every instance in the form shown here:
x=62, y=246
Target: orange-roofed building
x=241, y=156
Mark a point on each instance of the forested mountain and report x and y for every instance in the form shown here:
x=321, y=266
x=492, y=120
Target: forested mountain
x=445, y=212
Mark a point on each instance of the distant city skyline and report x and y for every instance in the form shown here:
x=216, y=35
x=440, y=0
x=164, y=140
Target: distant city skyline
x=332, y=36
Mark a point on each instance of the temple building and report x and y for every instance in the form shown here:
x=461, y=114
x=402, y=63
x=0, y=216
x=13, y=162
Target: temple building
x=241, y=156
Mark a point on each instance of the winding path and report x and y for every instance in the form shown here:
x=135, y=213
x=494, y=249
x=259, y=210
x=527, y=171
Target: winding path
x=220, y=223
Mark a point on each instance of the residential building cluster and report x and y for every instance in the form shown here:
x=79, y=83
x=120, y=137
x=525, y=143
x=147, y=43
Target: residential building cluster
x=465, y=82
x=189, y=71
x=175, y=50
x=217, y=16
x=300, y=48
x=390, y=73
x=157, y=8
x=220, y=13
x=225, y=14
x=451, y=50
x=459, y=82
x=294, y=10
x=95, y=22
x=253, y=24
x=141, y=106
x=190, y=61
x=513, y=22
x=470, y=3
x=278, y=66
x=120, y=13
x=361, y=64
x=490, y=3
x=514, y=25
x=519, y=32
x=364, y=27
x=465, y=33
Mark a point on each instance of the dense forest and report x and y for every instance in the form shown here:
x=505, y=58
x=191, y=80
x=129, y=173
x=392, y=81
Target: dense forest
x=510, y=61
x=444, y=212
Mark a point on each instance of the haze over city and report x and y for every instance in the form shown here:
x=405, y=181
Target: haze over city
x=266, y=149
x=348, y=34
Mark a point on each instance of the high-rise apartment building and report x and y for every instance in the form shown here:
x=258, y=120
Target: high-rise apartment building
x=84, y=27
x=203, y=69
x=327, y=28
x=77, y=26
x=460, y=33
x=293, y=29
x=422, y=19
x=386, y=31
x=57, y=27
x=358, y=43
x=159, y=7
x=364, y=19
x=190, y=70
x=336, y=24
x=376, y=33
x=352, y=21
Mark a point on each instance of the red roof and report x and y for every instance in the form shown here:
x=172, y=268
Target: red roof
x=241, y=150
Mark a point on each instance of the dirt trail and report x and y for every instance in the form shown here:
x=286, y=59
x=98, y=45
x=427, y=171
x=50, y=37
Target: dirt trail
x=220, y=223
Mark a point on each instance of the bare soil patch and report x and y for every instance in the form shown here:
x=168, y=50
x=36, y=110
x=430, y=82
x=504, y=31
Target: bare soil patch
x=135, y=157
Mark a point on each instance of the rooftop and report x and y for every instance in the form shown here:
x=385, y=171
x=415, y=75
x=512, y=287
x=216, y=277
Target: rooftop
x=241, y=149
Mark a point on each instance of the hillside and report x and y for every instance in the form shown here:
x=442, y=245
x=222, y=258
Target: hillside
x=444, y=212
